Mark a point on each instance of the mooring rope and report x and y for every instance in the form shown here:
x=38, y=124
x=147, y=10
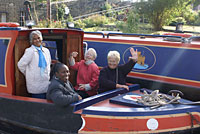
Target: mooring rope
x=155, y=99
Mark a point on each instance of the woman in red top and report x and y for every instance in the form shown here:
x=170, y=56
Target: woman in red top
x=88, y=73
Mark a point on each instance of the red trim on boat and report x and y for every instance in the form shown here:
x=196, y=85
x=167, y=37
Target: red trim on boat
x=138, y=124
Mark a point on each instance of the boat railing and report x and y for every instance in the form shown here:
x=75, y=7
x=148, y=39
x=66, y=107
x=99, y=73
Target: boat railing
x=194, y=38
x=141, y=35
x=167, y=37
x=107, y=35
x=102, y=96
x=95, y=33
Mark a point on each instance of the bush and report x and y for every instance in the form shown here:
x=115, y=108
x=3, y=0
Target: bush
x=96, y=20
x=79, y=24
x=50, y=24
x=197, y=19
x=177, y=20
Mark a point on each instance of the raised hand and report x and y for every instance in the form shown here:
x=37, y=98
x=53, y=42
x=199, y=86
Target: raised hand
x=134, y=54
x=74, y=54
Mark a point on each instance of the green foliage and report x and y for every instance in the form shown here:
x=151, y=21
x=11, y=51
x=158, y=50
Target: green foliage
x=156, y=12
x=106, y=6
x=196, y=2
x=197, y=19
x=131, y=24
x=133, y=21
x=96, y=20
x=162, y=12
x=50, y=24
x=180, y=20
x=70, y=18
x=109, y=12
x=190, y=16
x=61, y=11
x=79, y=24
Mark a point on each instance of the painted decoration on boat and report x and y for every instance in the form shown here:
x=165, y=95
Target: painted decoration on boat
x=3, y=51
x=146, y=58
x=152, y=124
x=132, y=97
x=128, y=99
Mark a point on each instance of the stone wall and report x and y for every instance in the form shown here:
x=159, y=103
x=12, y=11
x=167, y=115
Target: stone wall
x=12, y=9
x=82, y=7
x=76, y=7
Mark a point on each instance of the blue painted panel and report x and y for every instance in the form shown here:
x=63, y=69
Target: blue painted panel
x=3, y=50
x=172, y=62
x=51, y=45
x=102, y=96
x=164, y=110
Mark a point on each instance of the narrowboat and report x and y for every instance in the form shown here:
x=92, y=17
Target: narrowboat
x=115, y=111
x=166, y=62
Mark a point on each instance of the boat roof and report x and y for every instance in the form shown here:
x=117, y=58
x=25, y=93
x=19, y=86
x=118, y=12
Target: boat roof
x=172, y=38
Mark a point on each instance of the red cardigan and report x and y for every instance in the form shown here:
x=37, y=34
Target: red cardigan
x=87, y=74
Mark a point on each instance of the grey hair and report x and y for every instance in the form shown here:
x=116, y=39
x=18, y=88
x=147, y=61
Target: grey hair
x=114, y=54
x=93, y=51
x=37, y=33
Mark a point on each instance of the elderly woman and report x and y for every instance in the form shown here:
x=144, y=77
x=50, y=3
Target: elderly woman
x=88, y=73
x=60, y=90
x=114, y=76
x=35, y=65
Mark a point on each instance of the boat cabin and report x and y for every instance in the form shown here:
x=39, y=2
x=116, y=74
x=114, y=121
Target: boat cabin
x=14, y=41
x=165, y=62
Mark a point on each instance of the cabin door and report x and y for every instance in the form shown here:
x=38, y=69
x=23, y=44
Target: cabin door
x=74, y=43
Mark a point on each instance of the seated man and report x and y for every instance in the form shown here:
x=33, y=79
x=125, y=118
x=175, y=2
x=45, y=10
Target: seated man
x=88, y=73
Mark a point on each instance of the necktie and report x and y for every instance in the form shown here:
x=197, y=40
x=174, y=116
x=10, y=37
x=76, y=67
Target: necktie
x=42, y=62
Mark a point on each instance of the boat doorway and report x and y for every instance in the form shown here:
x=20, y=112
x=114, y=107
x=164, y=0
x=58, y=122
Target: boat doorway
x=60, y=45
x=55, y=46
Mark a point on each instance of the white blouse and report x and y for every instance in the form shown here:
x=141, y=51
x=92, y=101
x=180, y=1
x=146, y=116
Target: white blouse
x=28, y=65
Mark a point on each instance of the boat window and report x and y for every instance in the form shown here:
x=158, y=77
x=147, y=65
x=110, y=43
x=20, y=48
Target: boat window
x=51, y=45
x=3, y=50
x=85, y=47
x=55, y=46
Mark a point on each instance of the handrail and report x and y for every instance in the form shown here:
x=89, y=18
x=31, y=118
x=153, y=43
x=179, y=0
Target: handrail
x=142, y=35
x=166, y=37
x=194, y=37
x=102, y=96
x=95, y=33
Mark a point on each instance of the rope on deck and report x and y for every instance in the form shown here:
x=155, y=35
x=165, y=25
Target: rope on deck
x=155, y=99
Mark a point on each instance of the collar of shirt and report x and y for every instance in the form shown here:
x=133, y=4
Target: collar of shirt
x=63, y=83
x=37, y=48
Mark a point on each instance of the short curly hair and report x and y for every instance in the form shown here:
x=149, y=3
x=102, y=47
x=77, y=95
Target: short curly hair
x=114, y=54
x=37, y=32
x=93, y=52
